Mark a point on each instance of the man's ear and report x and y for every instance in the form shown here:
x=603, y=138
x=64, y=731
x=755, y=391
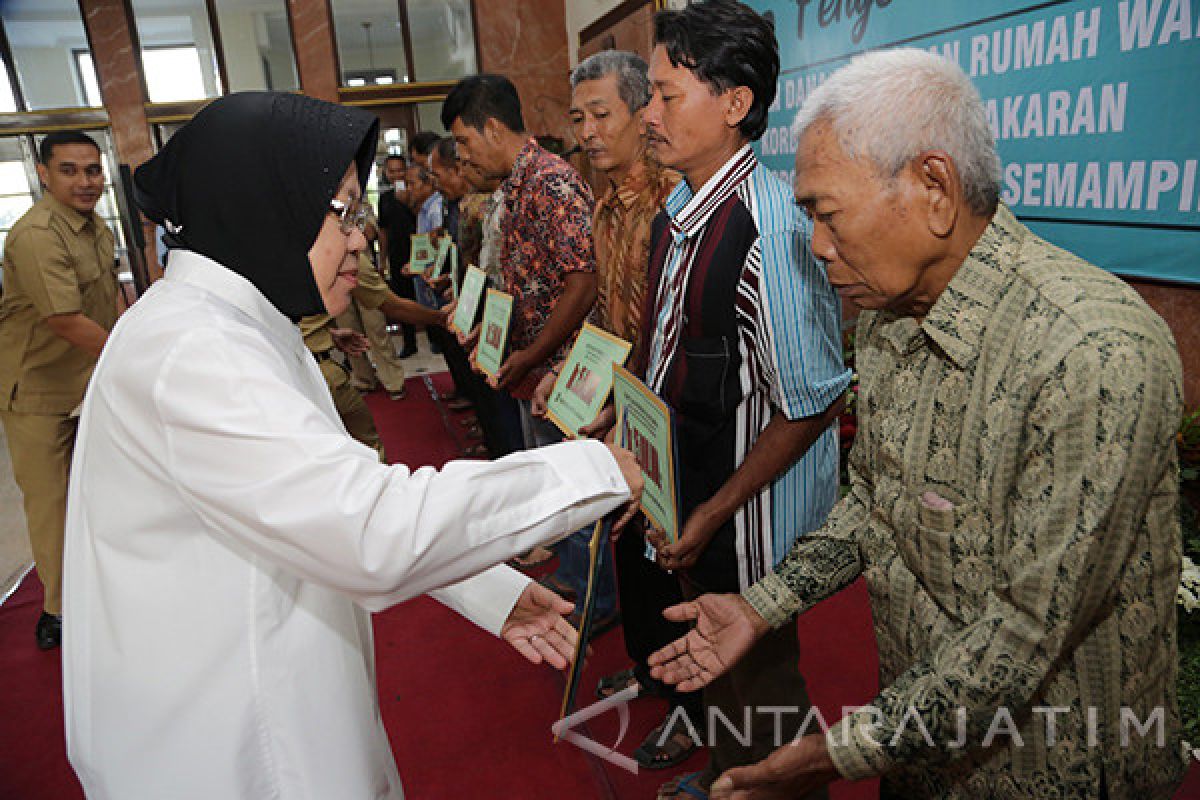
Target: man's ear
x=939, y=180
x=43, y=174
x=492, y=130
x=740, y=100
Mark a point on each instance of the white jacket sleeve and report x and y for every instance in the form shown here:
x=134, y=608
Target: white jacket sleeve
x=487, y=598
x=268, y=470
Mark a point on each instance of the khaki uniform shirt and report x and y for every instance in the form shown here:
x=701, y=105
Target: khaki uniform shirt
x=1014, y=508
x=371, y=292
x=56, y=261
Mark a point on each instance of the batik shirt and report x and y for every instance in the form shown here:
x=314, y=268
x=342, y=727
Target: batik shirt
x=1014, y=510
x=470, y=229
x=547, y=234
x=742, y=323
x=622, y=228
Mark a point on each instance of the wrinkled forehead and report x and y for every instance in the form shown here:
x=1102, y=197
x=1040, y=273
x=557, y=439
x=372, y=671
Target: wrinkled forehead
x=819, y=156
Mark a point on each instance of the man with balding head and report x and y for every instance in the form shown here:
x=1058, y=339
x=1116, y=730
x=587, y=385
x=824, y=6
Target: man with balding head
x=1014, y=486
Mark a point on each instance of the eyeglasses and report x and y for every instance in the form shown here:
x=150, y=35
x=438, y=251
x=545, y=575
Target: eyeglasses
x=350, y=217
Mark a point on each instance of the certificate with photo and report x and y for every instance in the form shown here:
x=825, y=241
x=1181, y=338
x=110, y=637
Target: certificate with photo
x=421, y=255
x=469, y=298
x=646, y=427
x=586, y=379
x=493, y=336
x=442, y=260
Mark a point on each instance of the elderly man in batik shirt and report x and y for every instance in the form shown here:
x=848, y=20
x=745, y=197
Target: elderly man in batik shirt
x=1014, y=485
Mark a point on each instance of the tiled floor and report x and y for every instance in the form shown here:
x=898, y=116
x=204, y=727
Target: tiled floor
x=15, y=558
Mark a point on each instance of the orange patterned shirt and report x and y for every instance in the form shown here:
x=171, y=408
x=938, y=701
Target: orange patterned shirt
x=621, y=225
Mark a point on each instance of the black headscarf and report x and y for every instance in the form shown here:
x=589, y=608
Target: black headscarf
x=248, y=182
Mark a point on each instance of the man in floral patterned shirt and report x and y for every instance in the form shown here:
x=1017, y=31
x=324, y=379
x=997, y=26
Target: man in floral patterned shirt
x=1014, y=491
x=547, y=256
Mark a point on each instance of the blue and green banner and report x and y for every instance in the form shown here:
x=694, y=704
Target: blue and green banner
x=1095, y=106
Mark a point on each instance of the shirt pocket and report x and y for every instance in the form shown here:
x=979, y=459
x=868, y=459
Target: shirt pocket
x=710, y=389
x=948, y=551
x=86, y=259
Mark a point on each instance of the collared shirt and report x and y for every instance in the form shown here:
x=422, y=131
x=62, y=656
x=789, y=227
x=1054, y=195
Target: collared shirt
x=744, y=324
x=1014, y=509
x=547, y=234
x=56, y=261
x=622, y=231
x=430, y=215
x=260, y=537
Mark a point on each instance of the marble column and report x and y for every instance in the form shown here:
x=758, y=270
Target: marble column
x=527, y=42
x=118, y=70
x=316, y=50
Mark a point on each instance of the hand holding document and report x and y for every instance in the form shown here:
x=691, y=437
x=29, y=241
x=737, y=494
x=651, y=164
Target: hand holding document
x=586, y=379
x=646, y=425
x=421, y=255
x=467, y=306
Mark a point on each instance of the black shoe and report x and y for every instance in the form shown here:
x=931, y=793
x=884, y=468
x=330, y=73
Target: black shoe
x=49, y=631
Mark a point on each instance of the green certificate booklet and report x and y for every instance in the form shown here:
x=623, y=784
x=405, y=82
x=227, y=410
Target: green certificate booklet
x=583, y=385
x=646, y=427
x=422, y=253
x=493, y=336
x=440, y=261
x=468, y=300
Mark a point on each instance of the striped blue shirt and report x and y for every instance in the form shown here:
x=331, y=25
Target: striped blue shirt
x=734, y=283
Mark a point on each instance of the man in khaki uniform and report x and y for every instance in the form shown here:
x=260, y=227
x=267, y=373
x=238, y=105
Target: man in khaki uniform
x=60, y=301
x=366, y=319
x=321, y=337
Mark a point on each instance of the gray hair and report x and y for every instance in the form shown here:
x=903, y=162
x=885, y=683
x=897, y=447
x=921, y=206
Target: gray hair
x=632, y=82
x=892, y=105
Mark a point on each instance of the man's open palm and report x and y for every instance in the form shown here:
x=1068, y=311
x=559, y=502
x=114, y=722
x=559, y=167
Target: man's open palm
x=726, y=628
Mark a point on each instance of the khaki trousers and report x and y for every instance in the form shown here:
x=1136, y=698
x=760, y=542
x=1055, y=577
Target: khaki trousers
x=40, y=446
x=383, y=362
x=351, y=407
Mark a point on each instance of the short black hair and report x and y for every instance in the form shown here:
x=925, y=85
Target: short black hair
x=422, y=144
x=446, y=149
x=479, y=98
x=725, y=44
x=53, y=140
x=395, y=157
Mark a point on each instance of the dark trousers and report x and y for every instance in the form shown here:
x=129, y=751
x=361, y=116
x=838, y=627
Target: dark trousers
x=457, y=360
x=767, y=676
x=402, y=285
x=644, y=590
x=498, y=417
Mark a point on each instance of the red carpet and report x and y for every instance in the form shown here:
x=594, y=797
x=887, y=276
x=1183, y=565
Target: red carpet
x=467, y=716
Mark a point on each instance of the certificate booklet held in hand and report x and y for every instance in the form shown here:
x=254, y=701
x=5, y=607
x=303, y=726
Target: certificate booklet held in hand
x=493, y=336
x=646, y=427
x=445, y=251
x=421, y=255
x=468, y=300
x=583, y=385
